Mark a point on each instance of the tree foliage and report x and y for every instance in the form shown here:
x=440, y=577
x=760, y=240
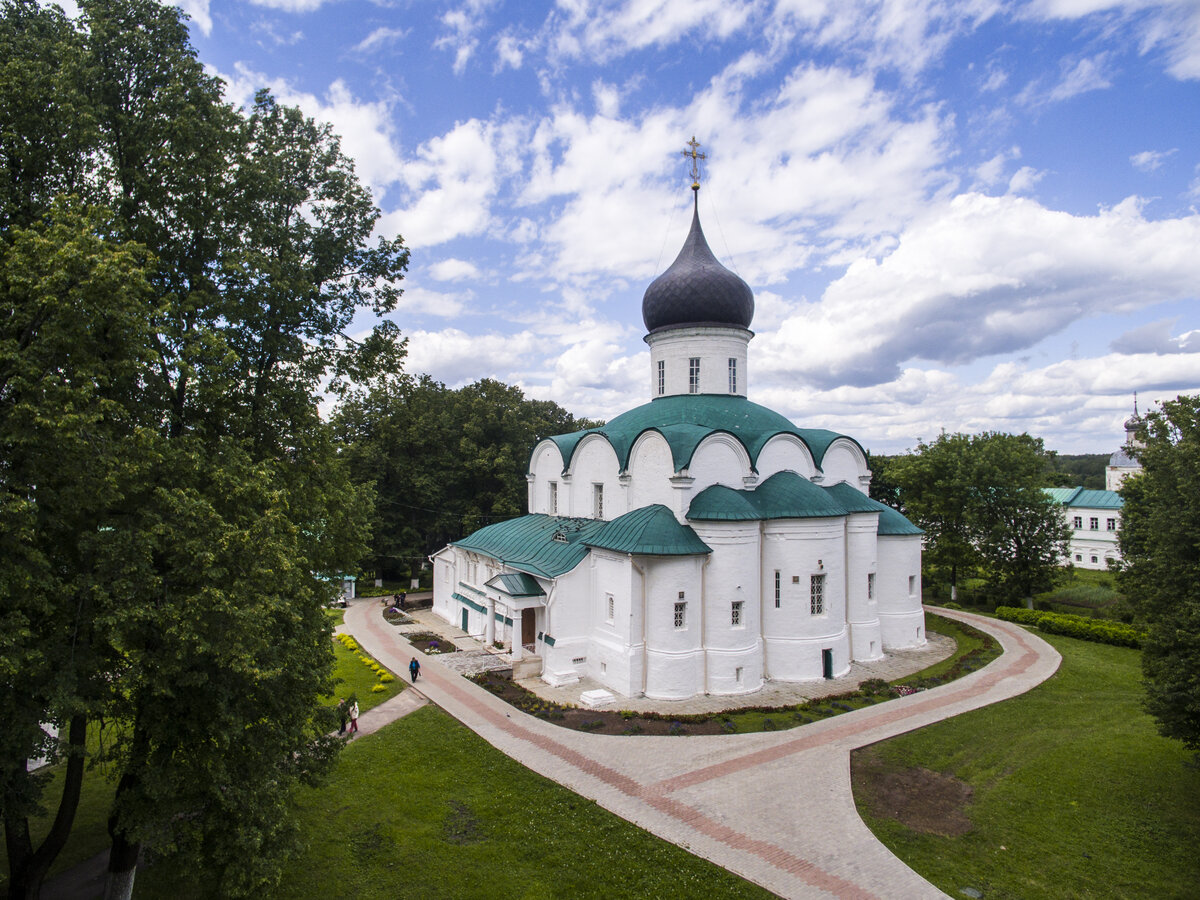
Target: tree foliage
x=177, y=277
x=1160, y=571
x=443, y=462
x=980, y=501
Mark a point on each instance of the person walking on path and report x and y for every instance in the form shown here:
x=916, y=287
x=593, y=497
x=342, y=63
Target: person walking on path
x=342, y=716
x=414, y=669
x=354, y=716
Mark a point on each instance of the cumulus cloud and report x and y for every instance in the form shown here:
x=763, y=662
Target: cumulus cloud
x=983, y=275
x=423, y=301
x=456, y=357
x=1156, y=337
x=453, y=269
x=366, y=128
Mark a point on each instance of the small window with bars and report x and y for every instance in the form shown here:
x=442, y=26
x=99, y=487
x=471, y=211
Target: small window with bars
x=778, y=589
x=816, y=595
x=870, y=585
x=553, y=498
x=597, y=501
x=735, y=613
x=733, y=375
x=610, y=607
x=1112, y=524
x=662, y=377
x=694, y=375
x=681, y=615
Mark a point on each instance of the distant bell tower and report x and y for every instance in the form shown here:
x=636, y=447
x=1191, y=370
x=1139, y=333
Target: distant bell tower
x=698, y=316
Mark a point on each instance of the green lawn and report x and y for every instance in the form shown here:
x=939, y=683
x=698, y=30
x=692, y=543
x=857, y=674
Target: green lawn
x=354, y=677
x=427, y=809
x=1075, y=794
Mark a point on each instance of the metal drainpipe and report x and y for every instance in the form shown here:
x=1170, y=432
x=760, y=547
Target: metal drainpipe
x=645, y=658
x=703, y=623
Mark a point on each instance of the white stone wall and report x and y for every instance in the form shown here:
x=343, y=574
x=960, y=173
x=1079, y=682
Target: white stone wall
x=650, y=471
x=793, y=638
x=1086, y=543
x=714, y=347
x=862, y=610
x=674, y=656
x=545, y=467
x=844, y=461
x=898, y=585
x=719, y=459
x=785, y=453
x=595, y=462
x=734, y=653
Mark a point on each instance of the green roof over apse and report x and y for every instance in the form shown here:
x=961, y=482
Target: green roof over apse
x=786, y=495
x=538, y=544
x=685, y=420
x=650, y=531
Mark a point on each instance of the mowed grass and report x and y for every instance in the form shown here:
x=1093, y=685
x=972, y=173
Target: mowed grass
x=1075, y=793
x=427, y=809
x=353, y=677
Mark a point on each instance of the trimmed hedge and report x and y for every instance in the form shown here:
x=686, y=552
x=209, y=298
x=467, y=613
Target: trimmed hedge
x=1101, y=631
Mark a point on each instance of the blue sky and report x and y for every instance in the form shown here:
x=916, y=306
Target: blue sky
x=954, y=214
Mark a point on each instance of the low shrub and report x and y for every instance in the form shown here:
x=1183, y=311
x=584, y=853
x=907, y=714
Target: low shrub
x=1101, y=631
x=385, y=677
x=378, y=689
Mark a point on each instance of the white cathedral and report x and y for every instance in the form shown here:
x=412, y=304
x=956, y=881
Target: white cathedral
x=698, y=543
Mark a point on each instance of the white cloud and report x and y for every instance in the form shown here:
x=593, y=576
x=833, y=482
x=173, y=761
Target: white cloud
x=453, y=269
x=1149, y=160
x=197, y=9
x=991, y=172
x=366, y=130
x=423, y=301
x=509, y=52
x=451, y=180
x=291, y=6
x=980, y=276
x=380, y=37
x=458, y=358
x=1078, y=76
x=462, y=26
x=1024, y=180
x=603, y=29
x=1156, y=337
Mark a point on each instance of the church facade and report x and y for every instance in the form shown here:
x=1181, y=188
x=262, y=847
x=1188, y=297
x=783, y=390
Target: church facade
x=698, y=543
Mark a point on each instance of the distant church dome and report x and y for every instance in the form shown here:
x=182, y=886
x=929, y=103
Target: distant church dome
x=697, y=289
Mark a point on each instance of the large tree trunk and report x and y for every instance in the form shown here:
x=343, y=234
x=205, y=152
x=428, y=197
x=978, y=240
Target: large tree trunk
x=28, y=867
x=123, y=857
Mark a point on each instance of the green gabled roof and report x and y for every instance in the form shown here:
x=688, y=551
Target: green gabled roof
x=516, y=584
x=893, y=522
x=651, y=531
x=527, y=543
x=786, y=495
x=685, y=420
x=1086, y=497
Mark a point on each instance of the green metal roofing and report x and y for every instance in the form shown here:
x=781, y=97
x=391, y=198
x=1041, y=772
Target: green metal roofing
x=652, y=531
x=517, y=584
x=786, y=495
x=685, y=420
x=1089, y=498
x=527, y=542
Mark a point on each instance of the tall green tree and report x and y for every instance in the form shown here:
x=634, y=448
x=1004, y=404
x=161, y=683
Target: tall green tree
x=936, y=487
x=170, y=493
x=979, y=499
x=443, y=462
x=1160, y=570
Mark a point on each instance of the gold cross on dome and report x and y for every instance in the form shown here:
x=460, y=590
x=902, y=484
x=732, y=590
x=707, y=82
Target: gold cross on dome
x=696, y=157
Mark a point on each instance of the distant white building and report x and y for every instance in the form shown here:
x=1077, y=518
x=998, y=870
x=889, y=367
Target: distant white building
x=699, y=543
x=1094, y=517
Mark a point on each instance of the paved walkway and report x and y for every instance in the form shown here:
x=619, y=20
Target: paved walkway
x=774, y=807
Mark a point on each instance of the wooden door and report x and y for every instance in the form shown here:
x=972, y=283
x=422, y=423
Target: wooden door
x=528, y=627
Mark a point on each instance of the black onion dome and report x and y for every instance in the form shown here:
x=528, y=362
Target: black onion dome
x=697, y=290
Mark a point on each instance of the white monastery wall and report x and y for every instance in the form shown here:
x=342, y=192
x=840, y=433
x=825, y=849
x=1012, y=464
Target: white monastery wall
x=844, y=461
x=720, y=459
x=898, y=585
x=569, y=623
x=674, y=657
x=650, y=471
x=733, y=651
x=545, y=467
x=793, y=636
x=595, y=463
x=785, y=453
x=862, y=609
